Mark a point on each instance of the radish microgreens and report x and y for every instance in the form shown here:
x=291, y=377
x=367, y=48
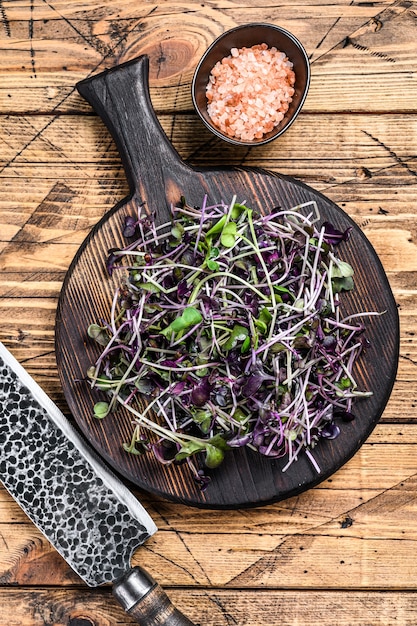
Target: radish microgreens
x=229, y=324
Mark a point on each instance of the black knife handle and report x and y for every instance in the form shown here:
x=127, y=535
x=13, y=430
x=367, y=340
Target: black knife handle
x=144, y=600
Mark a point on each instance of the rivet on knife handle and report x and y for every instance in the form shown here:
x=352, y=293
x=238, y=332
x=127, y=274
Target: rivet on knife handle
x=145, y=601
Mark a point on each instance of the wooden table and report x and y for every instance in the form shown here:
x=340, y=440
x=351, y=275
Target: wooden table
x=344, y=552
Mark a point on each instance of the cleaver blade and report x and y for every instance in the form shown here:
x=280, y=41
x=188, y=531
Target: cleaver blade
x=82, y=508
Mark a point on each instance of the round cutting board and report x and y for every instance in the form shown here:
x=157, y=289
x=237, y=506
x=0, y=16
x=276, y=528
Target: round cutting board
x=158, y=177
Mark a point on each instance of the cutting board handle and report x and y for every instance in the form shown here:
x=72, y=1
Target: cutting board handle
x=120, y=96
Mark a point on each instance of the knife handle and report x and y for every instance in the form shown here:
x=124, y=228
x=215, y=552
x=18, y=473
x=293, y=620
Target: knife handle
x=144, y=600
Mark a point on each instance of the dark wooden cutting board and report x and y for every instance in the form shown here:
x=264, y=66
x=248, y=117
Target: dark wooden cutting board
x=157, y=176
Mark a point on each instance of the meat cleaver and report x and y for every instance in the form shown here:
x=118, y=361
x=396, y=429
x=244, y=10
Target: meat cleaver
x=86, y=513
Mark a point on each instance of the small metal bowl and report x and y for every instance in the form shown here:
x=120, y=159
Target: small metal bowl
x=248, y=36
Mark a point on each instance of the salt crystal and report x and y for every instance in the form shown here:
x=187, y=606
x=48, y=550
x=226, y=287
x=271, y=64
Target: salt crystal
x=249, y=91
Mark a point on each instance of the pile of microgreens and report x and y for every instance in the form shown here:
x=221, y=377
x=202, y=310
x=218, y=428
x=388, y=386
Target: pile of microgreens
x=228, y=322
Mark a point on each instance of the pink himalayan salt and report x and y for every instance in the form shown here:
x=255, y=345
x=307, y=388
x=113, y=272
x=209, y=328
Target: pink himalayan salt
x=249, y=91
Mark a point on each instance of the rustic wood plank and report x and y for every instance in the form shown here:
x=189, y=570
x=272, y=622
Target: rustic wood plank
x=215, y=607
x=350, y=552
x=69, y=41
x=292, y=515
x=366, y=163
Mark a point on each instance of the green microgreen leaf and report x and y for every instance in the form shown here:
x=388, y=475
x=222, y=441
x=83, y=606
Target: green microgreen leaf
x=243, y=418
x=189, y=448
x=341, y=269
x=177, y=325
x=345, y=383
x=203, y=418
x=99, y=334
x=189, y=317
x=151, y=287
x=213, y=265
x=177, y=230
x=245, y=347
x=263, y=321
x=219, y=442
x=212, y=254
x=217, y=227
x=239, y=334
x=228, y=236
x=261, y=326
x=281, y=289
x=237, y=210
x=101, y=409
x=214, y=456
x=342, y=284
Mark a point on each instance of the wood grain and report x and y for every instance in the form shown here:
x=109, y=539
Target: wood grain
x=337, y=549
x=217, y=607
x=60, y=172
x=74, y=40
